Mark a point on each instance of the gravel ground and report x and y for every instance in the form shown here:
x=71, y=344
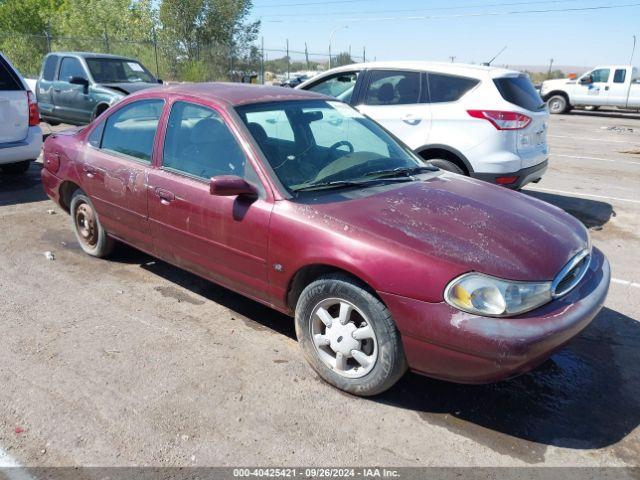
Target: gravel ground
x=131, y=361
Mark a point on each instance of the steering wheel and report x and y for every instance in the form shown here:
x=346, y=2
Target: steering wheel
x=341, y=143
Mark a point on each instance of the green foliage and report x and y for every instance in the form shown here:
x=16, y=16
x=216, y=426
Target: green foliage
x=341, y=59
x=539, y=77
x=279, y=65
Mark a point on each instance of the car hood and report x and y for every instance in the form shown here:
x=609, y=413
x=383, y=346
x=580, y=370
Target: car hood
x=128, y=88
x=462, y=221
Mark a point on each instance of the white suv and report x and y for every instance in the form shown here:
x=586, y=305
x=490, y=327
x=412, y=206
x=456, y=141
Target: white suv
x=20, y=133
x=485, y=122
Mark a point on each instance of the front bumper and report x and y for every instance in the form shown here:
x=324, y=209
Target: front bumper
x=445, y=343
x=525, y=175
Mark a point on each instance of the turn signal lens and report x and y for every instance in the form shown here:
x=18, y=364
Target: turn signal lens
x=502, y=120
x=34, y=115
x=493, y=297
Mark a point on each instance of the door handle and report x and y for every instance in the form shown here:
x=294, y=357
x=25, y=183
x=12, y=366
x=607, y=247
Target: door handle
x=607, y=87
x=411, y=119
x=166, y=197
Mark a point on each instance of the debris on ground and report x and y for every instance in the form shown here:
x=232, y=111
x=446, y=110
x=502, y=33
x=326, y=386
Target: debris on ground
x=49, y=255
x=616, y=128
x=51, y=211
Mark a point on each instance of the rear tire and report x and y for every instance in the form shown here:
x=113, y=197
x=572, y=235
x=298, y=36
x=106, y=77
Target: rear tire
x=365, y=332
x=17, y=168
x=447, y=165
x=91, y=235
x=558, y=104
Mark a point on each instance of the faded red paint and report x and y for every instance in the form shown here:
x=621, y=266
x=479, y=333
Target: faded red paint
x=407, y=241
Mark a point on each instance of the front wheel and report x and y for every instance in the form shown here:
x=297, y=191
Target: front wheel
x=447, y=165
x=348, y=336
x=558, y=104
x=91, y=235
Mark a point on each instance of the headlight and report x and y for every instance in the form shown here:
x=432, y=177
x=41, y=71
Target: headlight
x=493, y=297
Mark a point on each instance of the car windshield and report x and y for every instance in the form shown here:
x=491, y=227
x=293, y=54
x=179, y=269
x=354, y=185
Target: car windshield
x=321, y=143
x=117, y=70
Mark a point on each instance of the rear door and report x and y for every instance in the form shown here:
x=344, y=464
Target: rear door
x=115, y=166
x=72, y=102
x=398, y=100
x=619, y=87
x=44, y=87
x=14, y=106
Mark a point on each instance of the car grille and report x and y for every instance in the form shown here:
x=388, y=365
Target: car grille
x=571, y=274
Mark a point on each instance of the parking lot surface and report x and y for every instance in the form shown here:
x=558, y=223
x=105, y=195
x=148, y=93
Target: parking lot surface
x=130, y=361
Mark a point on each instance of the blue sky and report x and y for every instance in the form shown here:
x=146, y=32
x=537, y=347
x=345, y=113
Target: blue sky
x=582, y=38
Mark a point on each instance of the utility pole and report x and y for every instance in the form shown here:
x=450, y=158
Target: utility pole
x=550, y=65
x=106, y=41
x=633, y=50
x=452, y=58
x=306, y=55
x=262, y=60
x=288, y=62
x=364, y=54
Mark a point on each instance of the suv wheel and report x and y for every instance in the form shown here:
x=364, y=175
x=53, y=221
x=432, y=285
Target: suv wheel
x=17, y=168
x=447, y=165
x=558, y=104
x=348, y=336
x=92, y=237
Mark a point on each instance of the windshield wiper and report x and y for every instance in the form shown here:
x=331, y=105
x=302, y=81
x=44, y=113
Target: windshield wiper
x=334, y=184
x=402, y=171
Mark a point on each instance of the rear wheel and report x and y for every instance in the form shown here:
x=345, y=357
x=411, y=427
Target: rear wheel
x=92, y=237
x=16, y=168
x=348, y=336
x=447, y=165
x=558, y=104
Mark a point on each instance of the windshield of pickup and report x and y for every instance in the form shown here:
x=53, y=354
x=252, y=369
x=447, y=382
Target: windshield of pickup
x=117, y=70
x=312, y=142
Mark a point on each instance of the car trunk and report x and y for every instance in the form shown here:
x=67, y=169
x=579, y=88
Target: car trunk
x=14, y=106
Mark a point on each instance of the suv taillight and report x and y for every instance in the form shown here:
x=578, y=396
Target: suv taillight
x=502, y=120
x=34, y=115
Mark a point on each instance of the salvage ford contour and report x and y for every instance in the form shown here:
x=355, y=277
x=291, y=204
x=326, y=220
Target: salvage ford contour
x=303, y=204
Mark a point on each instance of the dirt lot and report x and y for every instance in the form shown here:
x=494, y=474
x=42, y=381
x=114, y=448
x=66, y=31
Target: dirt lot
x=134, y=362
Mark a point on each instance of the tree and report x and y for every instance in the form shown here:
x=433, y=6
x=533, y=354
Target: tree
x=341, y=59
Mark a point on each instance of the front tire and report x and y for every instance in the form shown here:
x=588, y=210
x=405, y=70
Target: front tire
x=348, y=336
x=558, y=104
x=17, y=168
x=447, y=165
x=91, y=235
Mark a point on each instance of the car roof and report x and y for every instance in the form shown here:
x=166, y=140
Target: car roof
x=236, y=94
x=440, y=67
x=92, y=55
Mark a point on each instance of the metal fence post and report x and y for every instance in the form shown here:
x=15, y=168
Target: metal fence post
x=288, y=62
x=262, y=61
x=106, y=41
x=155, y=49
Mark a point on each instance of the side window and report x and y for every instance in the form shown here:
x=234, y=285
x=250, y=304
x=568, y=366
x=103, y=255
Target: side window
x=132, y=129
x=339, y=86
x=447, y=88
x=70, y=67
x=8, y=78
x=601, y=75
x=393, y=88
x=620, y=75
x=96, y=135
x=49, y=68
x=199, y=143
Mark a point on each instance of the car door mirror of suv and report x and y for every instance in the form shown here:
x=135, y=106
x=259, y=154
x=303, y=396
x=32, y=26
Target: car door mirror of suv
x=80, y=81
x=231, y=185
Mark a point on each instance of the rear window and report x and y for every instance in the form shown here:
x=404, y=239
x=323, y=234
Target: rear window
x=8, y=78
x=519, y=91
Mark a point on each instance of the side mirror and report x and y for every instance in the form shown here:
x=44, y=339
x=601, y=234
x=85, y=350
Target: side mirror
x=230, y=186
x=160, y=81
x=586, y=80
x=80, y=81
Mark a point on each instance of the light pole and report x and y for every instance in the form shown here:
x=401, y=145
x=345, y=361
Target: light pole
x=331, y=39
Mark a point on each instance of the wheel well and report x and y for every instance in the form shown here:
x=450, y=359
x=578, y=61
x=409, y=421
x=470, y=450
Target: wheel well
x=431, y=153
x=311, y=273
x=99, y=109
x=66, y=192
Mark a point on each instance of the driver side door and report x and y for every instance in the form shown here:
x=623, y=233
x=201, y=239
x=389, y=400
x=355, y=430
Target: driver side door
x=224, y=239
x=595, y=92
x=72, y=102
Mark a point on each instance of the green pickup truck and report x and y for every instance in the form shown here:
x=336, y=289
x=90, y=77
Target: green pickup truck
x=76, y=87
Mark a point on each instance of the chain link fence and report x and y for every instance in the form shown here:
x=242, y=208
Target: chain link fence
x=178, y=61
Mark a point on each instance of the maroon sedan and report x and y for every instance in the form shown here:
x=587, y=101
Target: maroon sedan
x=301, y=203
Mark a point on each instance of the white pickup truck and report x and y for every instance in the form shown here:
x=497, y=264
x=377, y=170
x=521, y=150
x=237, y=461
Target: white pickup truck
x=604, y=86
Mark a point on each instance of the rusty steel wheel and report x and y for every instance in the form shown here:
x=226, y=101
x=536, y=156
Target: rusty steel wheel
x=92, y=237
x=86, y=225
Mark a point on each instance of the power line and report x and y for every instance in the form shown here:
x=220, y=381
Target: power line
x=308, y=3
x=466, y=15
x=459, y=7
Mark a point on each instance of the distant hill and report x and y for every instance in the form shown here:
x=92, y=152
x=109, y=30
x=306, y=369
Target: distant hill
x=545, y=68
